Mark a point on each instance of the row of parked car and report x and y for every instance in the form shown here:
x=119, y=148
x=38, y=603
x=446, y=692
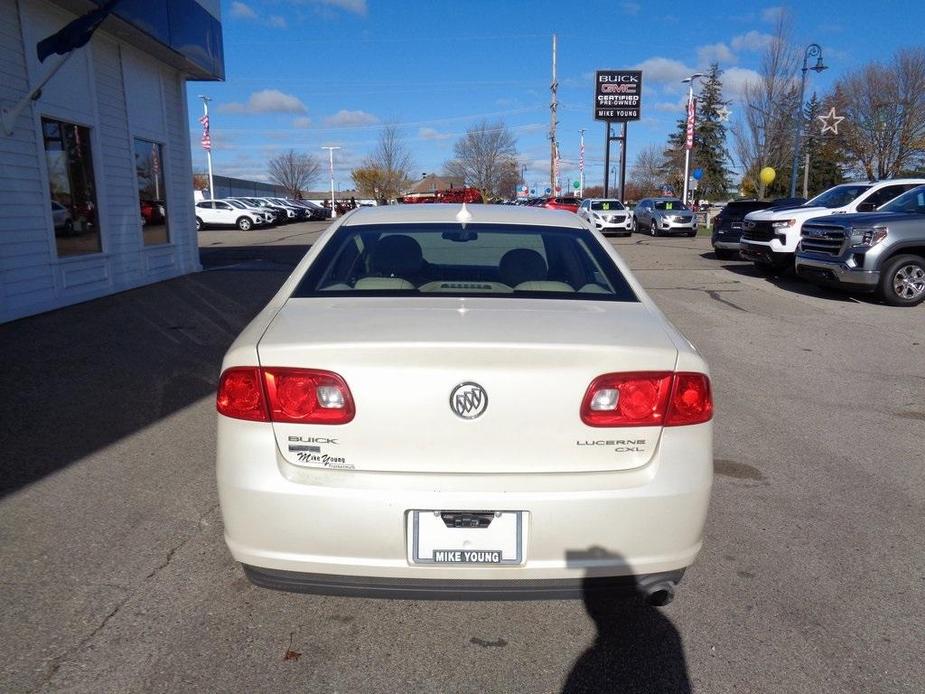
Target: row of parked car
x=863, y=237
x=246, y=213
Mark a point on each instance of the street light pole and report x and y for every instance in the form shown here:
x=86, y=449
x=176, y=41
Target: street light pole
x=813, y=50
x=331, y=159
x=687, y=148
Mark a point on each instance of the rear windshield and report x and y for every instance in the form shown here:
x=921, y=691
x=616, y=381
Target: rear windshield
x=669, y=205
x=480, y=260
x=605, y=205
x=839, y=196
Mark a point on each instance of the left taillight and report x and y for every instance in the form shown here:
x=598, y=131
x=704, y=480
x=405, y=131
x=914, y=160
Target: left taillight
x=279, y=394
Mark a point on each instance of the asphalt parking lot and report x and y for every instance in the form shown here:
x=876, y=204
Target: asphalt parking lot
x=116, y=579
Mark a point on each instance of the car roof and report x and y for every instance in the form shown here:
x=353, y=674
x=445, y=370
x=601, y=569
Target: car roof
x=447, y=213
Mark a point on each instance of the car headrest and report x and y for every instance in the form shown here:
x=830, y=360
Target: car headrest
x=522, y=265
x=396, y=255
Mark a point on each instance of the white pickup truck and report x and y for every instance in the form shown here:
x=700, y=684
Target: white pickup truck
x=770, y=237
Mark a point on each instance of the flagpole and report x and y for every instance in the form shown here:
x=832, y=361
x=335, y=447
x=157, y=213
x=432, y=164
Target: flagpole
x=205, y=111
x=581, y=164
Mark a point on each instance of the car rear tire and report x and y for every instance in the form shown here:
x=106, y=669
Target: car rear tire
x=244, y=224
x=198, y=224
x=902, y=281
x=633, y=226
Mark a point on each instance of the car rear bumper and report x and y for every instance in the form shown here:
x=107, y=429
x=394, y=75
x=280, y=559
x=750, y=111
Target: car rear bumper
x=354, y=524
x=726, y=245
x=836, y=273
x=423, y=589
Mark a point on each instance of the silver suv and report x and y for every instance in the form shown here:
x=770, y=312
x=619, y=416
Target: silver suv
x=665, y=217
x=882, y=251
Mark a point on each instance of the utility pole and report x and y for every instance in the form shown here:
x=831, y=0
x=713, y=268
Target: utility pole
x=331, y=159
x=553, y=122
x=207, y=140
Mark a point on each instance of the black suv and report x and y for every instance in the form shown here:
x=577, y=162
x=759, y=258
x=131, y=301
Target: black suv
x=727, y=225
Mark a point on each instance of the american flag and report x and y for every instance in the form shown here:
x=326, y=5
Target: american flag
x=155, y=159
x=206, y=140
x=581, y=157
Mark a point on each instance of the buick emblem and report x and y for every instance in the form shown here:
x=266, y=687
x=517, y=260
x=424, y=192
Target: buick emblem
x=468, y=400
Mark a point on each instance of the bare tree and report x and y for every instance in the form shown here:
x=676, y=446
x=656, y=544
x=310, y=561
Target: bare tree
x=386, y=171
x=763, y=136
x=884, y=109
x=293, y=171
x=486, y=157
x=646, y=172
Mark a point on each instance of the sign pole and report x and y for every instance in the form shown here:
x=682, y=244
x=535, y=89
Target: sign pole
x=623, y=164
x=607, y=159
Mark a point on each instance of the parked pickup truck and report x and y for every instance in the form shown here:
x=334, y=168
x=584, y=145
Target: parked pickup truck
x=882, y=251
x=770, y=237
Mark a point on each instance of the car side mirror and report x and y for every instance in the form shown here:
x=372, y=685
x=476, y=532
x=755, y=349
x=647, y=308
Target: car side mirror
x=867, y=207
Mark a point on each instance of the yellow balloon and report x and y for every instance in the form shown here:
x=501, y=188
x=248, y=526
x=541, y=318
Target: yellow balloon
x=767, y=175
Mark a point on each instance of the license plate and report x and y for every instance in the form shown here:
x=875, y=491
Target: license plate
x=466, y=538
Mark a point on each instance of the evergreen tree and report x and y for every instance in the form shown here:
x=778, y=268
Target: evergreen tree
x=710, y=153
x=826, y=158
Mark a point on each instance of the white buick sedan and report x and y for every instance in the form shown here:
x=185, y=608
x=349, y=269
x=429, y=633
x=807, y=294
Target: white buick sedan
x=454, y=402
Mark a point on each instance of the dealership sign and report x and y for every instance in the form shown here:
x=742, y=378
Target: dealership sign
x=617, y=95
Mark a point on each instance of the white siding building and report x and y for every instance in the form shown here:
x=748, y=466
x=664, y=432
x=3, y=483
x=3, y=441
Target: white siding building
x=95, y=179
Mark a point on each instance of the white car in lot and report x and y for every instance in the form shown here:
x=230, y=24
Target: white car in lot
x=224, y=213
x=447, y=402
x=608, y=216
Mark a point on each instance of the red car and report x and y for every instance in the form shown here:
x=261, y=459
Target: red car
x=569, y=204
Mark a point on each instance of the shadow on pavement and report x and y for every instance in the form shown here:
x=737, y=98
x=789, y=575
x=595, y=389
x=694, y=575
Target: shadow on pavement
x=637, y=648
x=789, y=281
x=83, y=377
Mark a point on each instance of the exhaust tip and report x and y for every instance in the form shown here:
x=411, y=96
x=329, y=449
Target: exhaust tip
x=660, y=594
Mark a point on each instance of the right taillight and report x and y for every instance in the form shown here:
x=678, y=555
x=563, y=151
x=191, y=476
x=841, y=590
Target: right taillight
x=647, y=398
x=691, y=400
x=277, y=394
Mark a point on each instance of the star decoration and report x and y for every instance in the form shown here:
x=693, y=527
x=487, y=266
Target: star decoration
x=723, y=113
x=830, y=121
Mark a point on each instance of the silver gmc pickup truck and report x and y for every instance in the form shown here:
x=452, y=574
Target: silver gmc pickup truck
x=882, y=251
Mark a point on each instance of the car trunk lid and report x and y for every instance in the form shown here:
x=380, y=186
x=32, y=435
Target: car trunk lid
x=402, y=358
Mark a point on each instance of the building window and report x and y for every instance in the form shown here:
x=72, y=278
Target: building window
x=73, y=194
x=149, y=169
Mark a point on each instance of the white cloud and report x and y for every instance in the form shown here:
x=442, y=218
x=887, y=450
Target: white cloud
x=301, y=122
x=752, y=41
x=678, y=107
x=664, y=71
x=357, y=7
x=772, y=14
x=735, y=79
x=631, y=8
x=267, y=101
x=277, y=22
x=431, y=134
x=346, y=118
x=239, y=10
x=715, y=53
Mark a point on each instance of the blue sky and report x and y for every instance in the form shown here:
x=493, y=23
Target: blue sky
x=307, y=73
